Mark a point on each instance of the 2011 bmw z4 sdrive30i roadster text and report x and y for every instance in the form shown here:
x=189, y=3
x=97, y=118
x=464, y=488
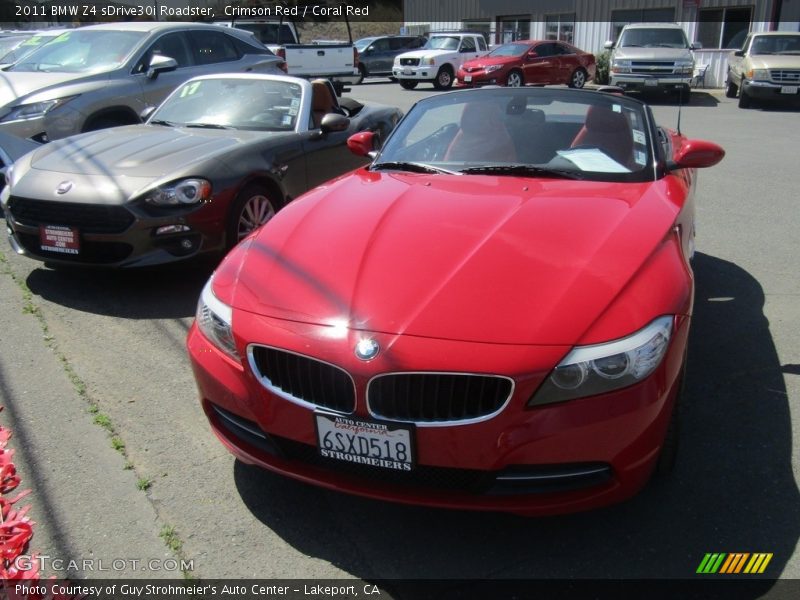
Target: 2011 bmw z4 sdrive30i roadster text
x=492, y=315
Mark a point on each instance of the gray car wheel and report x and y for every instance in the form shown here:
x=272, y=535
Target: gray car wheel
x=578, y=79
x=444, y=78
x=744, y=98
x=253, y=208
x=730, y=88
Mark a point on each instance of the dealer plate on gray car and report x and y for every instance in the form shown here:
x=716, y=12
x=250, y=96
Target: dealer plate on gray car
x=789, y=89
x=58, y=238
x=372, y=443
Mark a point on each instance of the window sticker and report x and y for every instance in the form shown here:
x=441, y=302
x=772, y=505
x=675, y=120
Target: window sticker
x=292, y=111
x=287, y=120
x=616, y=108
x=593, y=159
x=638, y=137
x=640, y=157
x=295, y=102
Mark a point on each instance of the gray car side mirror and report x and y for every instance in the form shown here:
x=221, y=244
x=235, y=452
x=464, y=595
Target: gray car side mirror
x=334, y=122
x=160, y=64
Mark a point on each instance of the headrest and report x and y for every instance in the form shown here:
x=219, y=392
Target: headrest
x=602, y=118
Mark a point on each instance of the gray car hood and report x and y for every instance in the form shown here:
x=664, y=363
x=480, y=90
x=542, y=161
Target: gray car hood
x=636, y=53
x=17, y=84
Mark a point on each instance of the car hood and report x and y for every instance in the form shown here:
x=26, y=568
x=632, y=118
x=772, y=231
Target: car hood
x=633, y=53
x=17, y=84
x=491, y=60
x=136, y=150
x=473, y=258
x=775, y=61
x=422, y=53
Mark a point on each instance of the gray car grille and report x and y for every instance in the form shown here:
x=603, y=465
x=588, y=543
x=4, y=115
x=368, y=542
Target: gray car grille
x=787, y=76
x=89, y=218
x=652, y=67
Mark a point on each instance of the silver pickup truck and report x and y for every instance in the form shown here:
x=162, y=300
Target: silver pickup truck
x=652, y=57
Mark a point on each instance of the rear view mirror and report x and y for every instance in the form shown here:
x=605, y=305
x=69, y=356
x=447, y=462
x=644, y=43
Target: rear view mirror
x=532, y=54
x=334, y=122
x=361, y=143
x=739, y=53
x=145, y=114
x=160, y=64
x=696, y=154
x=696, y=46
x=608, y=45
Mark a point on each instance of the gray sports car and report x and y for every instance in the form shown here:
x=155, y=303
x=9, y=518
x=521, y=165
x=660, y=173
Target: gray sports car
x=216, y=160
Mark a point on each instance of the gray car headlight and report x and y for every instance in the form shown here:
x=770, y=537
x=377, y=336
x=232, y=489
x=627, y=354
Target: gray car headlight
x=600, y=368
x=33, y=110
x=214, y=319
x=180, y=193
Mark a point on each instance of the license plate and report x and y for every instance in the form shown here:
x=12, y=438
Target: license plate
x=407, y=72
x=651, y=82
x=789, y=89
x=467, y=78
x=58, y=238
x=383, y=445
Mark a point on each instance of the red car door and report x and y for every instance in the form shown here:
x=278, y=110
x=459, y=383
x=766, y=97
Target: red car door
x=567, y=62
x=538, y=67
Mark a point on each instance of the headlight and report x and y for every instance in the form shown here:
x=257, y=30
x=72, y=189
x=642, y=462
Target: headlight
x=760, y=74
x=179, y=193
x=492, y=68
x=33, y=110
x=214, y=321
x=620, y=66
x=684, y=68
x=591, y=370
x=428, y=60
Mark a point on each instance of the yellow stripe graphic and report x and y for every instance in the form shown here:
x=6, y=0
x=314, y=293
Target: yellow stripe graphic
x=768, y=557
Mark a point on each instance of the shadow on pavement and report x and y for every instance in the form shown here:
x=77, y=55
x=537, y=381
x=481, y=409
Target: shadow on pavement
x=168, y=292
x=733, y=489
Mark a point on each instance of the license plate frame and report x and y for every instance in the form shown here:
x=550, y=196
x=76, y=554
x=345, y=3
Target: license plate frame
x=789, y=89
x=407, y=72
x=651, y=83
x=60, y=239
x=467, y=78
x=365, y=441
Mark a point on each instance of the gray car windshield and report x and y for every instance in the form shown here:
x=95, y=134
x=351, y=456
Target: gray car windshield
x=442, y=43
x=526, y=132
x=653, y=38
x=256, y=104
x=82, y=51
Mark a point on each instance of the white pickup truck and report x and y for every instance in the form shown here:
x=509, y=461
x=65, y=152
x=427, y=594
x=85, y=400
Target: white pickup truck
x=335, y=61
x=437, y=62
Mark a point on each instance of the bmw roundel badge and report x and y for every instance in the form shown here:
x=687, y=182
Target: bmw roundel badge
x=367, y=349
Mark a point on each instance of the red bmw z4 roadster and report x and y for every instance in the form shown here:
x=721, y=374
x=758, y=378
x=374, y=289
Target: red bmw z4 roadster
x=492, y=315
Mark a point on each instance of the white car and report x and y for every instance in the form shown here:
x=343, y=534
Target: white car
x=439, y=60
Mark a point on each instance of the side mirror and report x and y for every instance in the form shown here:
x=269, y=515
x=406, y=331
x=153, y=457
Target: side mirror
x=739, y=53
x=696, y=154
x=145, y=114
x=608, y=45
x=334, y=122
x=696, y=46
x=160, y=64
x=532, y=54
x=368, y=50
x=361, y=143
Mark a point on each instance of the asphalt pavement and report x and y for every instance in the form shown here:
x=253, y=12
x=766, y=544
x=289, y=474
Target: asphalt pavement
x=115, y=340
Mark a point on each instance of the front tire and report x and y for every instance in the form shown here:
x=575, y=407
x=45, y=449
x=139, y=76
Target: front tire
x=408, y=84
x=744, y=97
x=362, y=73
x=730, y=88
x=514, y=79
x=578, y=79
x=253, y=207
x=444, y=78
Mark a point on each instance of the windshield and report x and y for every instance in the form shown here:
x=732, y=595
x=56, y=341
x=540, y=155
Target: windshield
x=527, y=132
x=24, y=49
x=363, y=43
x=653, y=38
x=510, y=50
x=82, y=51
x=776, y=44
x=443, y=43
x=8, y=44
x=233, y=103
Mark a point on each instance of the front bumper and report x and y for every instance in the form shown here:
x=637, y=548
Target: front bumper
x=644, y=83
x=418, y=73
x=766, y=90
x=135, y=243
x=480, y=79
x=572, y=456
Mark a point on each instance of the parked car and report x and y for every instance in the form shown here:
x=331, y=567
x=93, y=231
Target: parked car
x=337, y=60
x=216, y=160
x=767, y=67
x=493, y=315
x=652, y=57
x=376, y=54
x=529, y=62
x=439, y=60
x=104, y=75
x=11, y=148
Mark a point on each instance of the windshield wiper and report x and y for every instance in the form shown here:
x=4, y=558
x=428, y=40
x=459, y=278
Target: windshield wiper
x=522, y=170
x=207, y=125
x=162, y=122
x=411, y=166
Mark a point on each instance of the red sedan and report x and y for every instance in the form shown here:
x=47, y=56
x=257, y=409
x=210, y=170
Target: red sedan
x=493, y=315
x=529, y=62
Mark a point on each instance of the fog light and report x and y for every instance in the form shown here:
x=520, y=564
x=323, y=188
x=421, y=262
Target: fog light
x=186, y=244
x=166, y=229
